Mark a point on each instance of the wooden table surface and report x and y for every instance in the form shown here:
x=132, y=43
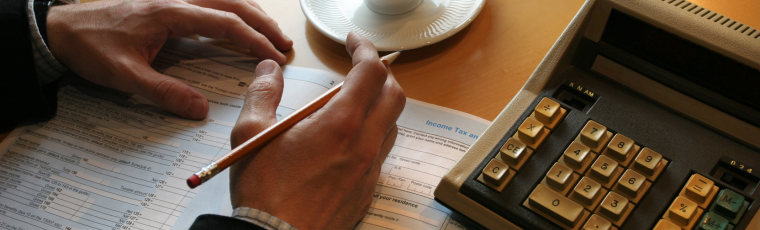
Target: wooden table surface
x=476, y=71
x=480, y=69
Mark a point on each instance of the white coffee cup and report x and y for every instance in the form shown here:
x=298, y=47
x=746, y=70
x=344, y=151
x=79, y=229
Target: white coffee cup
x=392, y=7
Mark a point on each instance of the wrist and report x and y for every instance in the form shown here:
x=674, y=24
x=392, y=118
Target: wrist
x=55, y=24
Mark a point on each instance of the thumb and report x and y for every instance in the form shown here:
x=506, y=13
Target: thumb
x=170, y=93
x=261, y=100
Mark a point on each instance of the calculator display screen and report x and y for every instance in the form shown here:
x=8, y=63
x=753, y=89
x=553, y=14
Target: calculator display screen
x=682, y=57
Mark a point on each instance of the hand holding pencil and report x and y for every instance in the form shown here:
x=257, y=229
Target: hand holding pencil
x=321, y=172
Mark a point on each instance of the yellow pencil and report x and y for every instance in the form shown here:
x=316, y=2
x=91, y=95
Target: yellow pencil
x=270, y=133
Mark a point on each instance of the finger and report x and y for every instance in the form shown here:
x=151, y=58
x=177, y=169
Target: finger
x=387, y=107
x=168, y=92
x=261, y=100
x=365, y=81
x=254, y=16
x=189, y=19
x=372, y=175
x=385, y=149
x=254, y=4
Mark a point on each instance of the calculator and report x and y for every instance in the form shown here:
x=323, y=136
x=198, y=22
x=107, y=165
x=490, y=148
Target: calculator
x=644, y=115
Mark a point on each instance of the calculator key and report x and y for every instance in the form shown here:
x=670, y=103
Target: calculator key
x=604, y=168
x=698, y=187
x=547, y=110
x=555, y=205
x=728, y=203
x=712, y=221
x=647, y=161
x=613, y=206
x=513, y=151
x=682, y=211
x=575, y=154
x=620, y=147
x=495, y=172
x=631, y=183
x=559, y=176
x=587, y=189
x=664, y=224
x=531, y=130
x=593, y=133
x=596, y=222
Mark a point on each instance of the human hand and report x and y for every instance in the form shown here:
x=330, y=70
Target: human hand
x=321, y=173
x=113, y=42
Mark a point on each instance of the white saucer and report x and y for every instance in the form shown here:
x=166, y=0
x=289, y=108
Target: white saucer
x=431, y=22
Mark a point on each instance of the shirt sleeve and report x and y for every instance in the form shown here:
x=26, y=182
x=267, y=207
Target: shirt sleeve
x=47, y=67
x=261, y=218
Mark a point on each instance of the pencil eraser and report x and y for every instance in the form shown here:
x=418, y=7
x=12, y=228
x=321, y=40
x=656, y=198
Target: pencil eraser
x=193, y=181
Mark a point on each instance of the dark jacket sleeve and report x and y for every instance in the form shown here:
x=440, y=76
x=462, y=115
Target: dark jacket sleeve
x=209, y=221
x=21, y=95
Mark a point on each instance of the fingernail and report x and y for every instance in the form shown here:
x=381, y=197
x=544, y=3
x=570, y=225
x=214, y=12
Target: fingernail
x=286, y=37
x=265, y=67
x=196, y=107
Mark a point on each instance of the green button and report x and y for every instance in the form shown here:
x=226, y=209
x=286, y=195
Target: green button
x=728, y=203
x=712, y=221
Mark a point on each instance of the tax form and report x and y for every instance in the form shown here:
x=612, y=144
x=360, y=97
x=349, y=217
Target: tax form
x=109, y=160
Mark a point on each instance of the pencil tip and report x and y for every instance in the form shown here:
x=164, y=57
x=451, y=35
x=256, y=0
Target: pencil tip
x=388, y=59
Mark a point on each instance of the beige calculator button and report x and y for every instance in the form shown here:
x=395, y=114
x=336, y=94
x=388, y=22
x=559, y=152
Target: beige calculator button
x=596, y=222
x=587, y=189
x=647, y=161
x=682, y=210
x=556, y=205
x=495, y=172
x=664, y=224
x=604, y=168
x=698, y=187
x=620, y=147
x=592, y=133
x=575, y=154
x=613, y=205
x=512, y=151
x=559, y=176
x=530, y=130
x=631, y=182
x=547, y=110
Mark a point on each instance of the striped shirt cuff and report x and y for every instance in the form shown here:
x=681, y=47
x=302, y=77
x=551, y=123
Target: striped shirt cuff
x=47, y=67
x=261, y=218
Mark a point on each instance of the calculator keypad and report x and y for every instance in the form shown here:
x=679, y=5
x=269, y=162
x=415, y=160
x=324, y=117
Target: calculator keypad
x=703, y=205
x=608, y=185
x=556, y=206
x=559, y=176
x=514, y=153
x=682, y=212
x=622, y=149
x=632, y=185
x=664, y=224
x=548, y=112
x=588, y=193
x=595, y=222
x=578, y=157
x=605, y=170
x=615, y=208
x=698, y=188
x=495, y=172
x=520, y=147
x=619, y=148
x=532, y=133
x=594, y=135
x=650, y=163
